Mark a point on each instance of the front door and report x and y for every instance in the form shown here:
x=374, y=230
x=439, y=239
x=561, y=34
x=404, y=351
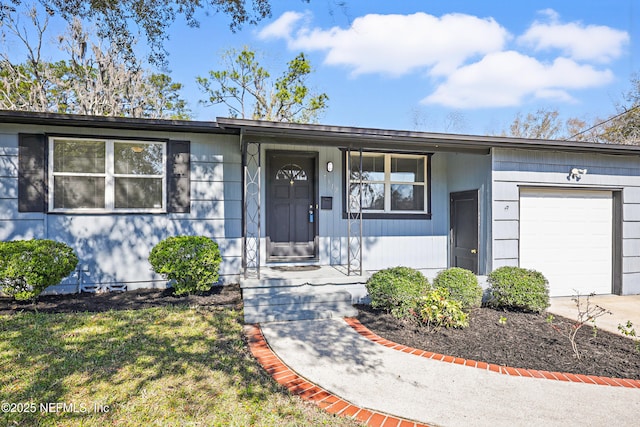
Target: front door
x=464, y=230
x=291, y=206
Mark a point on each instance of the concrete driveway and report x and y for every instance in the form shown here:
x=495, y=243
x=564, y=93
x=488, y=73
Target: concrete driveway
x=623, y=308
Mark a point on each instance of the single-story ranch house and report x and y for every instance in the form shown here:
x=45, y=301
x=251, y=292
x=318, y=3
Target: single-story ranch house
x=286, y=198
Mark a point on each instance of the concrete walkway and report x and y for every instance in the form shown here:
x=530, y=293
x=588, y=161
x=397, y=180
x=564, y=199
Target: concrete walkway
x=331, y=354
x=622, y=308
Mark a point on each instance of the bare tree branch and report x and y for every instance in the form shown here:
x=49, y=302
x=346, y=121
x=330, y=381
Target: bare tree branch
x=94, y=80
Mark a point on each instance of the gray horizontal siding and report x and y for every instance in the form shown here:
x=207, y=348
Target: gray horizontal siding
x=631, y=283
x=210, y=190
x=515, y=168
x=631, y=264
x=631, y=229
x=565, y=168
x=631, y=247
x=8, y=165
x=506, y=230
x=504, y=262
x=115, y=248
x=504, y=191
x=631, y=195
x=13, y=229
x=421, y=252
x=506, y=249
x=631, y=211
x=8, y=144
x=215, y=209
x=563, y=158
x=506, y=210
x=9, y=187
x=9, y=210
x=216, y=172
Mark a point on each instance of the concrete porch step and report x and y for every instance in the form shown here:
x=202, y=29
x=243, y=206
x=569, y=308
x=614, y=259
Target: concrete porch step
x=280, y=313
x=295, y=297
x=274, y=277
x=302, y=292
x=301, y=302
x=292, y=315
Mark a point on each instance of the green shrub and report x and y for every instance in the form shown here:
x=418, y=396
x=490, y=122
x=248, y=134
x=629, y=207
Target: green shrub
x=519, y=289
x=462, y=286
x=437, y=309
x=191, y=262
x=397, y=289
x=28, y=267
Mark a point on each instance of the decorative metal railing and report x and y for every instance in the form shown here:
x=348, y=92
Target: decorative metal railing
x=354, y=212
x=251, y=213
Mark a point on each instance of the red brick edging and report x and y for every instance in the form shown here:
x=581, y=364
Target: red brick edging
x=313, y=393
x=506, y=370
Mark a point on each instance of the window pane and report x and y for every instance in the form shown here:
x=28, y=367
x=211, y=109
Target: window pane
x=78, y=156
x=76, y=192
x=291, y=172
x=407, y=169
x=372, y=197
x=372, y=167
x=137, y=158
x=407, y=197
x=133, y=193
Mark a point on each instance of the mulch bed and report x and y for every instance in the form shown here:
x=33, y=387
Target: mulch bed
x=219, y=296
x=525, y=340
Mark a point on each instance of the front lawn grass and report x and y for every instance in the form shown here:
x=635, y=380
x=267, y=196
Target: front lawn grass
x=170, y=366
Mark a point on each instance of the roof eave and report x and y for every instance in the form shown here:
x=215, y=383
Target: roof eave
x=104, y=122
x=384, y=138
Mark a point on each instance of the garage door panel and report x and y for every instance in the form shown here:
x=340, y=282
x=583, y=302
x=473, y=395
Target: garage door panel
x=567, y=235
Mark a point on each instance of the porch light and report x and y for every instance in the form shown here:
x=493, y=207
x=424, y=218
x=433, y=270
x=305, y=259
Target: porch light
x=577, y=173
x=329, y=166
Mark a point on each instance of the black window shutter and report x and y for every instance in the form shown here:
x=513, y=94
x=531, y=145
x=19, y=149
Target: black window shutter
x=178, y=176
x=32, y=188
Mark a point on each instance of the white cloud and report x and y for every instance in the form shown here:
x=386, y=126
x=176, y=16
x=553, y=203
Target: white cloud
x=395, y=44
x=576, y=40
x=506, y=79
x=550, y=13
x=283, y=26
x=466, y=56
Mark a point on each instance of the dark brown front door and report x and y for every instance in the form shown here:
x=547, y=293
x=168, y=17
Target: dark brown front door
x=464, y=230
x=291, y=214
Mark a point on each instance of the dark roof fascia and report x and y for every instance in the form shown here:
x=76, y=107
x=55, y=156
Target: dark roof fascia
x=337, y=136
x=356, y=137
x=103, y=122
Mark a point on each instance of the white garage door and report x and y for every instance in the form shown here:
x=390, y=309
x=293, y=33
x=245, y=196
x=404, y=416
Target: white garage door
x=567, y=236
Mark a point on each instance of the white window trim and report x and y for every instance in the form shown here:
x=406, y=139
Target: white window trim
x=388, y=182
x=109, y=176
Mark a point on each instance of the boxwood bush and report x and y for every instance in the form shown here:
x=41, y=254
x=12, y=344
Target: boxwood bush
x=28, y=267
x=397, y=290
x=190, y=262
x=518, y=288
x=462, y=286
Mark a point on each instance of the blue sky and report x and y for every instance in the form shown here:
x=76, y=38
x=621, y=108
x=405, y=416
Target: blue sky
x=435, y=65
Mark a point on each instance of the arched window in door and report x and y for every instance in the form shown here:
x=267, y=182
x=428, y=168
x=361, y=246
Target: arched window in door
x=291, y=172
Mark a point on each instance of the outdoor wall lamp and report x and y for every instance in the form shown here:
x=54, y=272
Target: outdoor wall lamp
x=577, y=173
x=329, y=166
